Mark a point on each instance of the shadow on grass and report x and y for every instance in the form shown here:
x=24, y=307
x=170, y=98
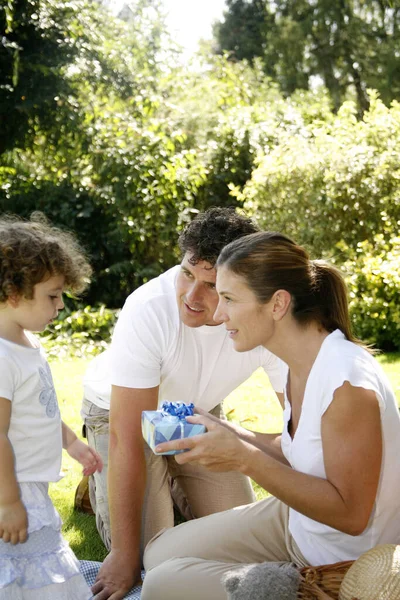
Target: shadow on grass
x=83, y=536
x=389, y=357
x=80, y=530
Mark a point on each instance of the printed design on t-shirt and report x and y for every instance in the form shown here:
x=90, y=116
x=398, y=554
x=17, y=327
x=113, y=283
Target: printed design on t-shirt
x=48, y=395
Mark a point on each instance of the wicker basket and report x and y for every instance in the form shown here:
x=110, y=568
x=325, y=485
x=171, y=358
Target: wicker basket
x=323, y=582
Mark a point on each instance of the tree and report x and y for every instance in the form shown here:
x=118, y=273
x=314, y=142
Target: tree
x=244, y=30
x=51, y=48
x=36, y=47
x=350, y=45
x=94, y=151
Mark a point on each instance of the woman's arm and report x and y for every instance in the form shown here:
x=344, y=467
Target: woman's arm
x=270, y=443
x=13, y=518
x=352, y=446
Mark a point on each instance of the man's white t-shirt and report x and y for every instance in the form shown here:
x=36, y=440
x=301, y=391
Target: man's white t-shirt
x=151, y=346
x=35, y=430
x=338, y=361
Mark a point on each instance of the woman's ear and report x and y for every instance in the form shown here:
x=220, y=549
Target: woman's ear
x=281, y=301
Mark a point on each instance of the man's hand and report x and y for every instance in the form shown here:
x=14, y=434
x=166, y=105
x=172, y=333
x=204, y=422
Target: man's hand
x=115, y=578
x=89, y=459
x=13, y=522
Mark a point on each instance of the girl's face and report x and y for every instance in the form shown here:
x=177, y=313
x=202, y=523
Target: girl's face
x=42, y=309
x=249, y=323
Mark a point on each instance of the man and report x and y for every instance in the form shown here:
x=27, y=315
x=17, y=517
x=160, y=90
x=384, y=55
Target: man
x=166, y=346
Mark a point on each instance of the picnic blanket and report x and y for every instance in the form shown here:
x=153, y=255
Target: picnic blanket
x=89, y=570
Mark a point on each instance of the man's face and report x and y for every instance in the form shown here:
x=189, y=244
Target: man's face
x=196, y=294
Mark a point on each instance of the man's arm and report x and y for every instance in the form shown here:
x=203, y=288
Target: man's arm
x=126, y=487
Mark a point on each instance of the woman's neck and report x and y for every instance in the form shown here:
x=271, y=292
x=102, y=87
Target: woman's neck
x=298, y=346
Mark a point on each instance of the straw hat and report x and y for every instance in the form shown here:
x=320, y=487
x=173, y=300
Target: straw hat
x=373, y=576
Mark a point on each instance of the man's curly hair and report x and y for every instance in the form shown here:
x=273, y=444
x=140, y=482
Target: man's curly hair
x=211, y=230
x=32, y=251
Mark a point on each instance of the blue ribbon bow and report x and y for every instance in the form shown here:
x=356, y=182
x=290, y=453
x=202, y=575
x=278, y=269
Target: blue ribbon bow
x=177, y=409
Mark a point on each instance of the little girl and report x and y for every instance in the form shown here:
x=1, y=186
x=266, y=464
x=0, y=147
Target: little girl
x=37, y=263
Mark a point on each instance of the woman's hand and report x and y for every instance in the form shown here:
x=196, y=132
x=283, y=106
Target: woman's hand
x=234, y=427
x=13, y=522
x=86, y=456
x=219, y=449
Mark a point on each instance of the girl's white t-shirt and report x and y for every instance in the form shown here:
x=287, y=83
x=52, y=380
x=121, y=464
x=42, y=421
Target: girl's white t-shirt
x=338, y=361
x=35, y=426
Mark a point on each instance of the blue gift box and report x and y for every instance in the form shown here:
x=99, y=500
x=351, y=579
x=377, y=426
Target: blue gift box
x=168, y=424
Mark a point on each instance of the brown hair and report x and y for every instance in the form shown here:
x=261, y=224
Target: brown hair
x=270, y=261
x=211, y=230
x=32, y=251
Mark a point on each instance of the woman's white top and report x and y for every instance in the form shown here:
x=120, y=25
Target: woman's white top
x=338, y=361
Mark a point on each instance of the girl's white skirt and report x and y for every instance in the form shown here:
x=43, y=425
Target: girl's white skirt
x=44, y=567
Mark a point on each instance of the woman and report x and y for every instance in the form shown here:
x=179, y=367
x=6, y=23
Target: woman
x=333, y=472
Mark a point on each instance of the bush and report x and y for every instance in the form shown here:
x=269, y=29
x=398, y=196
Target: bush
x=84, y=332
x=332, y=181
x=373, y=278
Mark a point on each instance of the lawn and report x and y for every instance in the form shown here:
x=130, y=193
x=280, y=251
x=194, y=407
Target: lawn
x=253, y=404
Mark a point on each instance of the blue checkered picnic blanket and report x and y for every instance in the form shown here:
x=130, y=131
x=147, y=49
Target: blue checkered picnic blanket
x=89, y=570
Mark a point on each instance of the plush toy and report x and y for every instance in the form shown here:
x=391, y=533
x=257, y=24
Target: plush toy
x=264, y=581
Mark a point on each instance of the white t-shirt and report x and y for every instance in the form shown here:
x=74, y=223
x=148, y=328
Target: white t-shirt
x=338, y=361
x=151, y=346
x=35, y=426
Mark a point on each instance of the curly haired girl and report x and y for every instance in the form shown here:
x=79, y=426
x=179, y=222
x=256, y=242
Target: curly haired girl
x=37, y=263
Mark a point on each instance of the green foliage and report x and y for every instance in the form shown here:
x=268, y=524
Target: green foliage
x=244, y=29
x=54, y=54
x=36, y=47
x=350, y=46
x=124, y=180
x=373, y=277
x=230, y=112
x=332, y=181
x=103, y=130
x=333, y=186
x=220, y=105
x=145, y=179
x=24, y=188
x=82, y=333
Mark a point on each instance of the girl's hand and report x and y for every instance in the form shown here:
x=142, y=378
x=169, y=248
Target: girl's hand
x=218, y=449
x=13, y=522
x=86, y=456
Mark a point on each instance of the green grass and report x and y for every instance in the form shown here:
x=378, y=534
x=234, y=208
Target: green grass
x=391, y=365
x=79, y=528
x=253, y=404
